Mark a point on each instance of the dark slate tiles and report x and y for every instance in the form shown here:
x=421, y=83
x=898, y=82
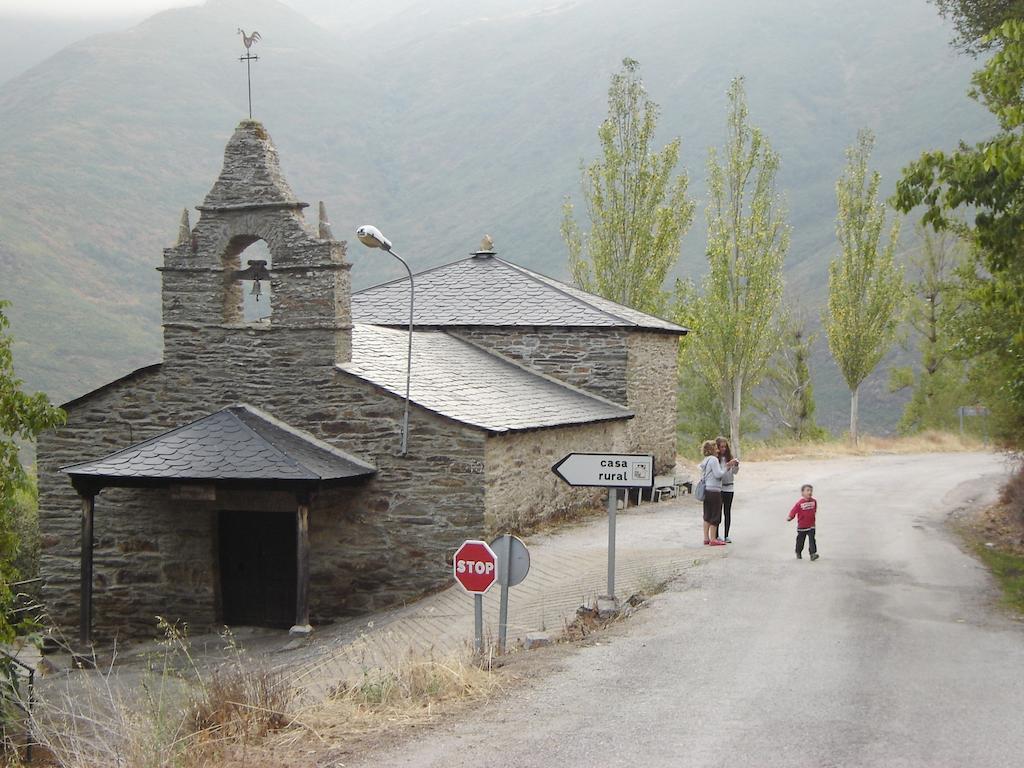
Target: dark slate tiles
x=237, y=443
x=486, y=290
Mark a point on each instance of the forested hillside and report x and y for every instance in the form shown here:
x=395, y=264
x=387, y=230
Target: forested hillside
x=437, y=122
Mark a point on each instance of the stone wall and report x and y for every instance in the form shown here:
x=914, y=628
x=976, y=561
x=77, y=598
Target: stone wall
x=521, y=488
x=147, y=552
x=652, y=383
x=633, y=368
x=593, y=359
x=373, y=544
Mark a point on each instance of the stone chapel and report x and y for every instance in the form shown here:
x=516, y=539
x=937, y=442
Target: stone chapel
x=254, y=476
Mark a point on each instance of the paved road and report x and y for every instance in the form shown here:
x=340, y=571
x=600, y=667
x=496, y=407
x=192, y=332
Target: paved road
x=885, y=652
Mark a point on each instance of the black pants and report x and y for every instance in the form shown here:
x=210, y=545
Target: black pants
x=808, y=534
x=726, y=511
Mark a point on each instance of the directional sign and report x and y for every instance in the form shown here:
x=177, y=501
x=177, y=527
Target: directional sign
x=966, y=410
x=606, y=470
x=475, y=566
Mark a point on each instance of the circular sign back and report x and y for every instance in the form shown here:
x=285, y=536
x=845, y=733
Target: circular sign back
x=518, y=559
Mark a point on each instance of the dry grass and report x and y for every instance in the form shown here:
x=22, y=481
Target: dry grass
x=176, y=716
x=410, y=689
x=925, y=442
x=241, y=701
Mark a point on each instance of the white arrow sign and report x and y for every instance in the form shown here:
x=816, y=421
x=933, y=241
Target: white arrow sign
x=606, y=470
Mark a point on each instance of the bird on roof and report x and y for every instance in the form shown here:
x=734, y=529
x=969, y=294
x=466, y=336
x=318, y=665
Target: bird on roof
x=249, y=39
x=487, y=244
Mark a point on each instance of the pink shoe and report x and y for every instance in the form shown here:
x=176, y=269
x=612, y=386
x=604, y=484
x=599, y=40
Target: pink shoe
x=706, y=542
x=716, y=543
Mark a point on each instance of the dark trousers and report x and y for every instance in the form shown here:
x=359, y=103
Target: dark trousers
x=726, y=511
x=807, y=533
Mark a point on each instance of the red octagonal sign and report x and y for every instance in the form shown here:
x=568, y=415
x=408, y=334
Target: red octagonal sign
x=475, y=566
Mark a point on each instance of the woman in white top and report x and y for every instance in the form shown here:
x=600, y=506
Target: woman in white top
x=711, y=472
x=726, y=459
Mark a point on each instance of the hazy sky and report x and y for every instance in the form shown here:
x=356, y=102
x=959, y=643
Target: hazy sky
x=87, y=8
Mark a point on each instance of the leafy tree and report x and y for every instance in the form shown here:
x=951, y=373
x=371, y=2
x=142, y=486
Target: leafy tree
x=638, y=212
x=22, y=417
x=985, y=333
x=787, y=395
x=986, y=179
x=865, y=287
x=975, y=19
x=700, y=409
x=935, y=302
x=734, y=335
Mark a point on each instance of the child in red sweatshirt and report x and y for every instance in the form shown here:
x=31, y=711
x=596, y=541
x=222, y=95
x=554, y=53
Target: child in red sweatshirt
x=804, y=511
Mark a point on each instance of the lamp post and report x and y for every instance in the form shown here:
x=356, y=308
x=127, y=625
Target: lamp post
x=372, y=237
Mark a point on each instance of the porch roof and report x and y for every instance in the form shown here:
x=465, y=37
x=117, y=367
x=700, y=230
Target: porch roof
x=238, y=443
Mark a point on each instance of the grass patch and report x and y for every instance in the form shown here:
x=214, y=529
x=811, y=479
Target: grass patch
x=407, y=690
x=177, y=715
x=1008, y=569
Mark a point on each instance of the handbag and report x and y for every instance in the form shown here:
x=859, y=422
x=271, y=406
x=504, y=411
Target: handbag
x=699, y=491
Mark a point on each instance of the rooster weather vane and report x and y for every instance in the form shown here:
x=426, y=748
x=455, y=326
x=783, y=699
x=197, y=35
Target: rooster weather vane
x=249, y=57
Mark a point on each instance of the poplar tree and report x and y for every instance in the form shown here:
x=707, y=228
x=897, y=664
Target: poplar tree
x=935, y=303
x=787, y=396
x=638, y=211
x=734, y=333
x=865, y=287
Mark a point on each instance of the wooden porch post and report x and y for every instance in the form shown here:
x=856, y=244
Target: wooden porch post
x=302, y=627
x=85, y=606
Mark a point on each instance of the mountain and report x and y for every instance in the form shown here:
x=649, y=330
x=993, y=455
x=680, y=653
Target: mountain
x=27, y=40
x=437, y=122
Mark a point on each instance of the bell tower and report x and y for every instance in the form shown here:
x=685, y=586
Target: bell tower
x=216, y=267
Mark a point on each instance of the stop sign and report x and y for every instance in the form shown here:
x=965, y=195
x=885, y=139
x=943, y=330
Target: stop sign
x=475, y=566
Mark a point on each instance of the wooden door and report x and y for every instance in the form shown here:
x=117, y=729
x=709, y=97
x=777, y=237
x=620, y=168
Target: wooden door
x=257, y=568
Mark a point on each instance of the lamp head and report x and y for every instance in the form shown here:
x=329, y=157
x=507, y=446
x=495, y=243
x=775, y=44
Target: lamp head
x=372, y=237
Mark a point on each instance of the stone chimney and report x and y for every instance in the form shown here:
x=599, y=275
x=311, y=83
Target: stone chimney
x=310, y=325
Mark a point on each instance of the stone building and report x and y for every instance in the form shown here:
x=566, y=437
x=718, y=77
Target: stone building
x=254, y=476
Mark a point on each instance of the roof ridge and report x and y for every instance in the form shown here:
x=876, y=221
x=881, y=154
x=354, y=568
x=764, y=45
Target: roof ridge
x=118, y=380
x=536, y=277
x=288, y=459
x=301, y=434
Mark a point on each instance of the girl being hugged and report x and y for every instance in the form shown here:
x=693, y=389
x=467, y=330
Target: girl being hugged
x=726, y=459
x=711, y=472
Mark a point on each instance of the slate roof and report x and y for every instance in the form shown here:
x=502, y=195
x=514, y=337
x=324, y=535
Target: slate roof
x=486, y=290
x=471, y=385
x=237, y=443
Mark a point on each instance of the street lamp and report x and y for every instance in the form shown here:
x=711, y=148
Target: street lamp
x=372, y=237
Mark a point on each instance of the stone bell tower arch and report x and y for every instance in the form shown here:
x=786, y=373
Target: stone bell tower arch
x=310, y=326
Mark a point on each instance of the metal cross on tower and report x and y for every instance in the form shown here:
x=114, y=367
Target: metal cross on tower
x=248, y=40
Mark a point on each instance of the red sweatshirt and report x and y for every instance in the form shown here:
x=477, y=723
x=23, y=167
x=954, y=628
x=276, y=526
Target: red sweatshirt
x=804, y=511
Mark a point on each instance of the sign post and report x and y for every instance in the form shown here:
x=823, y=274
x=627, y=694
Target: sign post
x=973, y=410
x=513, y=565
x=613, y=505
x=611, y=471
x=475, y=568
